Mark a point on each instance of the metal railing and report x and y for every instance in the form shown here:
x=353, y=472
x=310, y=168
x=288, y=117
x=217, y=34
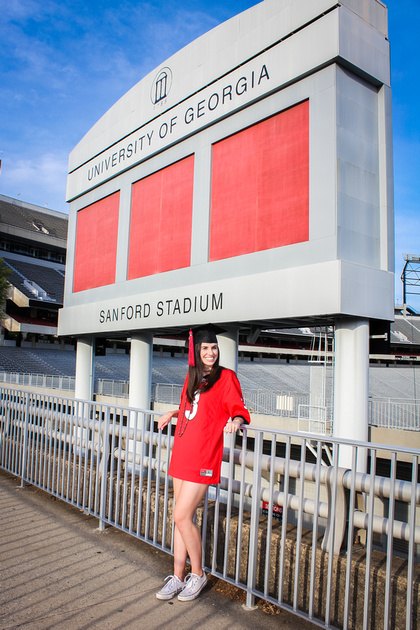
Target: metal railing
x=110, y=462
x=395, y=413
x=386, y=413
x=259, y=401
x=44, y=381
x=108, y=387
x=315, y=419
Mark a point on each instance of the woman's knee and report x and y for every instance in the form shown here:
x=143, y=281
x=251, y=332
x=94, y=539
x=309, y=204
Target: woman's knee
x=187, y=499
x=181, y=517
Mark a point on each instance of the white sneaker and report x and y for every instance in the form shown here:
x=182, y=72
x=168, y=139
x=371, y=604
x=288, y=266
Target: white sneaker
x=194, y=586
x=172, y=587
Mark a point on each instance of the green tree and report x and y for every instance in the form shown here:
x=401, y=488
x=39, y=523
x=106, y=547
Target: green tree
x=4, y=286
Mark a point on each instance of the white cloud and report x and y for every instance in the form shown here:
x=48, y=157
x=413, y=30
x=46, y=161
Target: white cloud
x=19, y=10
x=41, y=180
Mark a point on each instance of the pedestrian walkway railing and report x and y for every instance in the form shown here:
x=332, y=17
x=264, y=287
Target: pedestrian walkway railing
x=333, y=545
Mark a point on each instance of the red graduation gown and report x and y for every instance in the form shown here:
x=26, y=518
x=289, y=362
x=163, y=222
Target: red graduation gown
x=198, y=445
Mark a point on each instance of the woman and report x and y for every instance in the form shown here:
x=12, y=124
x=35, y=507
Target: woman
x=210, y=397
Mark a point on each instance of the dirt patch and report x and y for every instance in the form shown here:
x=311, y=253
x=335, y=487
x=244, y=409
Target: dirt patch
x=237, y=594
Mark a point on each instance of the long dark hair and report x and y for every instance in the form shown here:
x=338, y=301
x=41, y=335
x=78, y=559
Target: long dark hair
x=196, y=374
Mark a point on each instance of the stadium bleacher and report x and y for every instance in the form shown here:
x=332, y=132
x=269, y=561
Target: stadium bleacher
x=39, y=361
x=49, y=279
x=405, y=330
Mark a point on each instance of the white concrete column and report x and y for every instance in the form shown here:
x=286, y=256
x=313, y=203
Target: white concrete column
x=228, y=348
x=141, y=356
x=351, y=386
x=84, y=385
x=141, y=353
x=85, y=368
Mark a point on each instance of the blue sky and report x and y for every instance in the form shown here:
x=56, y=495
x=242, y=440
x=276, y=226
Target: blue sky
x=64, y=64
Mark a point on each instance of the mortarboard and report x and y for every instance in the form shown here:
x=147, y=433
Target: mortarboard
x=201, y=334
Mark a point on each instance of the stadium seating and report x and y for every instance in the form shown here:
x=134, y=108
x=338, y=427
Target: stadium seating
x=49, y=279
x=404, y=330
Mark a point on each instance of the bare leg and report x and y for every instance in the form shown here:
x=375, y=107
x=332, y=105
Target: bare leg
x=180, y=550
x=187, y=539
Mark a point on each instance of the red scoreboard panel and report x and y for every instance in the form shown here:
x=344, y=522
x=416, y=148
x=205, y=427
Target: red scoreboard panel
x=161, y=218
x=260, y=186
x=96, y=244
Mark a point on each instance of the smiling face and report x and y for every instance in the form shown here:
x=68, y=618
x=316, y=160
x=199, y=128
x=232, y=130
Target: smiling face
x=208, y=355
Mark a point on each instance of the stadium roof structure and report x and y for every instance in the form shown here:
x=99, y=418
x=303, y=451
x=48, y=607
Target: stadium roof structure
x=26, y=220
x=37, y=282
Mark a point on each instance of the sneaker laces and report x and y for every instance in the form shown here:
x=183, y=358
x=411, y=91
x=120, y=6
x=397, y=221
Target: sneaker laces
x=169, y=578
x=192, y=578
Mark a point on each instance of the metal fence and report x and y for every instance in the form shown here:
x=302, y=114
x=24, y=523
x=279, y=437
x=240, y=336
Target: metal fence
x=108, y=387
x=44, y=381
x=316, y=539
x=258, y=401
x=386, y=413
x=315, y=419
x=394, y=413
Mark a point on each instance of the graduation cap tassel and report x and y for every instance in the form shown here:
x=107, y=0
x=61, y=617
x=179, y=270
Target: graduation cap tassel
x=191, y=360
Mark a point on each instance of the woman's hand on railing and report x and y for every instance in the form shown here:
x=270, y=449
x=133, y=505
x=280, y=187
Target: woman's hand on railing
x=166, y=418
x=233, y=425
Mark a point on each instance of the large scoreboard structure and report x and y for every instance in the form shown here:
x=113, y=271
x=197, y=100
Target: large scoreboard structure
x=246, y=180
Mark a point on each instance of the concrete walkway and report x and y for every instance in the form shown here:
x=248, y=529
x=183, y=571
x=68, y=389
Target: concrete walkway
x=58, y=571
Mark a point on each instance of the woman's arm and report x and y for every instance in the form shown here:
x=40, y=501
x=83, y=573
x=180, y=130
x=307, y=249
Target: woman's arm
x=166, y=418
x=233, y=399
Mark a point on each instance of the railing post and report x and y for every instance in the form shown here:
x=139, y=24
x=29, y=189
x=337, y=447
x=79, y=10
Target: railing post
x=25, y=441
x=103, y=469
x=337, y=513
x=411, y=544
x=389, y=414
x=254, y=522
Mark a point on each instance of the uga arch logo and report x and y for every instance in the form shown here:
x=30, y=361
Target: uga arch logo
x=161, y=86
